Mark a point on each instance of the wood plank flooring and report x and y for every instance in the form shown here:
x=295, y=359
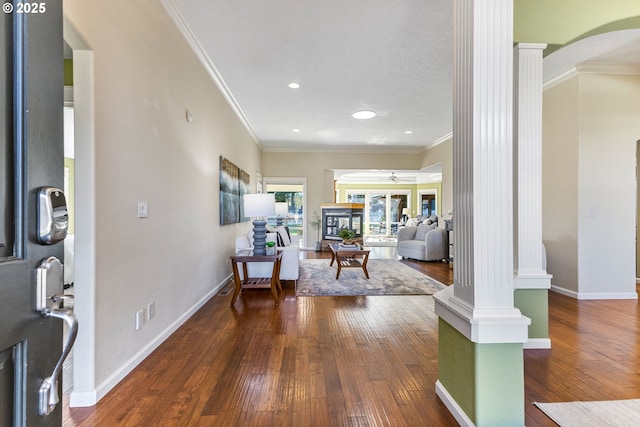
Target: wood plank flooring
x=351, y=361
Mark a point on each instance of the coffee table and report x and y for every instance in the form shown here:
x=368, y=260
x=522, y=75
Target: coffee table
x=349, y=257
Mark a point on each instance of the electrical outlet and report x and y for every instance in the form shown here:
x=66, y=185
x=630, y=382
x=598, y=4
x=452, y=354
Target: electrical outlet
x=151, y=310
x=139, y=319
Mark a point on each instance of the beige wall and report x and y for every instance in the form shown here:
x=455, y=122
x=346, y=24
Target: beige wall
x=589, y=140
x=560, y=183
x=146, y=76
x=442, y=154
x=609, y=129
x=318, y=169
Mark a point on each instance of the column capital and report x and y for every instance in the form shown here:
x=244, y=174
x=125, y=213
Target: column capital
x=540, y=46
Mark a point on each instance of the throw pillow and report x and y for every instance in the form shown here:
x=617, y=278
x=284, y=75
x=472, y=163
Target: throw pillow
x=283, y=236
x=422, y=231
x=412, y=222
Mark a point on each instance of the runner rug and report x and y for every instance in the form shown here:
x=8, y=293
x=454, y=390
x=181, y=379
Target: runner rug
x=611, y=413
x=386, y=277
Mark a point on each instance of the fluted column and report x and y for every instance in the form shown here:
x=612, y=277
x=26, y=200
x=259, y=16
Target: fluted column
x=528, y=146
x=483, y=175
x=480, y=331
x=532, y=281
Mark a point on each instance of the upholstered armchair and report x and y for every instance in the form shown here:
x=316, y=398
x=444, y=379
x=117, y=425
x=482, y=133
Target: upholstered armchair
x=425, y=242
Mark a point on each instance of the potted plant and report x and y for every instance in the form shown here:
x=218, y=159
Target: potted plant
x=346, y=235
x=271, y=248
x=316, y=224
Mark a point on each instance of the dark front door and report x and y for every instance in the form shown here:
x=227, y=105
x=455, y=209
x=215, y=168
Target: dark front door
x=31, y=156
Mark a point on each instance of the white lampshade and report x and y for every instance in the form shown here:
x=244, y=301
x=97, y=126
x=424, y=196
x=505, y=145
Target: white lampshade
x=259, y=205
x=405, y=211
x=282, y=208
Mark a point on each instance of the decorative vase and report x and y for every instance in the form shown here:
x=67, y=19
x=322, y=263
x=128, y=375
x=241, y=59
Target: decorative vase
x=271, y=250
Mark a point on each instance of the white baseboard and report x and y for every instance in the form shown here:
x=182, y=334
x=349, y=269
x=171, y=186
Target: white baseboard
x=85, y=399
x=82, y=399
x=563, y=291
x=537, y=344
x=453, y=406
x=594, y=295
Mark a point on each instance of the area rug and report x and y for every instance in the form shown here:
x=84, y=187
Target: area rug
x=386, y=277
x=611, y=413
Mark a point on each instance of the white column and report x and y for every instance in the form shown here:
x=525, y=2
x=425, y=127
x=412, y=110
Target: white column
x=480, y=303
x=530, y=270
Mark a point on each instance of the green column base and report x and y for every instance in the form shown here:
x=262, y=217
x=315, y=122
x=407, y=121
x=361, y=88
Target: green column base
x=485, y=381
x=534, y=303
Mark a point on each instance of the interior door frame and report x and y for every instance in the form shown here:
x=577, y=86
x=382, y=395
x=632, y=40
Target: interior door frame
x=266, y=180
x=85, y=391
x=427, y=191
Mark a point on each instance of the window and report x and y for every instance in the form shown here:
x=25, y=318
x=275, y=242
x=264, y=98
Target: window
x=383, y=210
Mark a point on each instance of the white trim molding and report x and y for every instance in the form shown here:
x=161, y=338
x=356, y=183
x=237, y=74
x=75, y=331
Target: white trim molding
x=537, y=344
x=594, y=295
x=174, y=12
x=482, y=326
x=453, y=406
x=108, y=384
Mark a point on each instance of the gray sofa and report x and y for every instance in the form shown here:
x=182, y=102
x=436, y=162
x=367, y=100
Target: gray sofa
x=423, y=242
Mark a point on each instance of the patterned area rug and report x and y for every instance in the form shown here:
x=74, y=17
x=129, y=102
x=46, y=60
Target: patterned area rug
x=612, y=413
x=386, y=277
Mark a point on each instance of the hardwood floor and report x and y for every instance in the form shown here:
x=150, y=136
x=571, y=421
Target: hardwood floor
x=351, y=361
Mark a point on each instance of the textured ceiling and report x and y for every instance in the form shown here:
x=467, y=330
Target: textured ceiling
x=391, y=57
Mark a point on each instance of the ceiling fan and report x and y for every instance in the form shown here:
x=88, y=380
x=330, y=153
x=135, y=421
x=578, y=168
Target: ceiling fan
x=395, y=178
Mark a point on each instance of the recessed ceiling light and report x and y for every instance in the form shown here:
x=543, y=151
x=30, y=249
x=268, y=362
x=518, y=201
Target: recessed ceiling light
x=364, y=114
x=408, y=132
x=296, y=130
x=294, y=85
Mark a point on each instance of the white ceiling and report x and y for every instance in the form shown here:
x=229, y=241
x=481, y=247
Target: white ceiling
x=393, y=57
x=390, y=57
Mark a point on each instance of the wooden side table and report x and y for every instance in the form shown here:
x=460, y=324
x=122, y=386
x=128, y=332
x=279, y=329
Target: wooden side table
x=273, y=282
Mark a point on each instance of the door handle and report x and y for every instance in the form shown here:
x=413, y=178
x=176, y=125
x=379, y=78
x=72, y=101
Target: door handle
x=48, y=394
x=50, y=278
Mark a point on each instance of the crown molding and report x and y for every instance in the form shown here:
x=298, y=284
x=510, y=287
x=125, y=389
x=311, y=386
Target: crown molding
x=351, y=149
x=440, y=140
x=177, y=17
x=592, y=68
x=598, y=68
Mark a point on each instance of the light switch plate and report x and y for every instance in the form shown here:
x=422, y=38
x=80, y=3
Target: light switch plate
x=139, y=319
x=143, y=210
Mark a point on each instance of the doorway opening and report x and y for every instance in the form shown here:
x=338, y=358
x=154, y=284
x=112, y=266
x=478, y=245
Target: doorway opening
x=83, y=392
x=292, y=192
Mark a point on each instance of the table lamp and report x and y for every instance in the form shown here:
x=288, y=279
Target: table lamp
x=405, y=214
x=282, y=210
x=259, y=206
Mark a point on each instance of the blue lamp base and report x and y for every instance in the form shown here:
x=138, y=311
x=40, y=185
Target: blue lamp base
x=259, y=237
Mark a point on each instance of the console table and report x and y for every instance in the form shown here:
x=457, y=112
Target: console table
x=273, y=282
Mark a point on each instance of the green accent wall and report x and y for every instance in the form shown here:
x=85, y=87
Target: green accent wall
x=534, y=303
x=413, y=188
x=485, y=380
x=559, y=23
x=68, y=72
